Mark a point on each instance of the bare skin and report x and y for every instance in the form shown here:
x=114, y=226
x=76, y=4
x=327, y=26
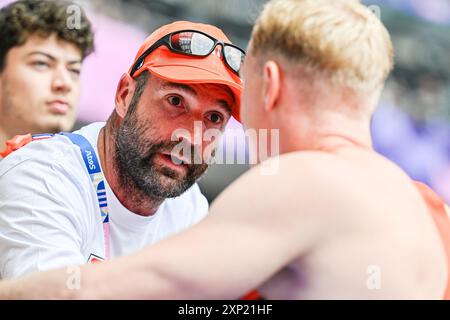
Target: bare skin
x=333, y=212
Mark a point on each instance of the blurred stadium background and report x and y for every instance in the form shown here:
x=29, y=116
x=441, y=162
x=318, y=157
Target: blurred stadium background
x=411, y=126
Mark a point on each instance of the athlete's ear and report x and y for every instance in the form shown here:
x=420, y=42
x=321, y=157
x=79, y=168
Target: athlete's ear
x=271, y=84
x=124, y=94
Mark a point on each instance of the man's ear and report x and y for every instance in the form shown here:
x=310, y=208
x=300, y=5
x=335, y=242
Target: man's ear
x=124, y=94
x=271, y=84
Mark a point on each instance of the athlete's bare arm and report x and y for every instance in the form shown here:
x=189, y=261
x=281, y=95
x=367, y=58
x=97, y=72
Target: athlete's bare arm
x=251, y=233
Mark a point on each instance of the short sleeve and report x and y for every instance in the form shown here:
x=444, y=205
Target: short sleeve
x=41, y=225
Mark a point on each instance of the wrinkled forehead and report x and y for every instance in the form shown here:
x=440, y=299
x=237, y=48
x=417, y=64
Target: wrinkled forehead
x=215, y=90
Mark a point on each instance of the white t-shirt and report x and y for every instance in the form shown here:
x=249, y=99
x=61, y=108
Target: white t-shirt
x=49, y=215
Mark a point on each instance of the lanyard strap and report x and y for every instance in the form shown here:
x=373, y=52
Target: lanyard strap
x=95, y=172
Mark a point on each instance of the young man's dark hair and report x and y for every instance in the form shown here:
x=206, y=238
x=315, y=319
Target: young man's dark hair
x=23, y=18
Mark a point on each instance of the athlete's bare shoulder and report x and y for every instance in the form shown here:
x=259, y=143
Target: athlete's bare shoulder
x=294, y=187
x=317, y=183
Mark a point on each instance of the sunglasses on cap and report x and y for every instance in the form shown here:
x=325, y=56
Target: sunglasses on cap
x=197, y=44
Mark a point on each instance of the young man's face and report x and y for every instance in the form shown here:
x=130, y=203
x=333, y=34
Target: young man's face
x=40, y=86
x=163, y=117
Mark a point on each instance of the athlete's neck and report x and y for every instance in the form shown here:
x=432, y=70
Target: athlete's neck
x=134, y=201
x=330, y=133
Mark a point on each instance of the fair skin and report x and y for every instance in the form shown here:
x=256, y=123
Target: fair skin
x=39, y=87
x=313, y=230
x=170, y=106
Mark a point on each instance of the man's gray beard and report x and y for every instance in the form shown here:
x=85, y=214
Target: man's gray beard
x=138, y=174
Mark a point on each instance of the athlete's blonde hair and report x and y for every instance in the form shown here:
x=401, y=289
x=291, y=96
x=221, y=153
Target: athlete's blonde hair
x=339, y=39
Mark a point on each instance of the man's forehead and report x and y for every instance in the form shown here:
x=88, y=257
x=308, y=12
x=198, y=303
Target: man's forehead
x=217, y=88
x=51, y=46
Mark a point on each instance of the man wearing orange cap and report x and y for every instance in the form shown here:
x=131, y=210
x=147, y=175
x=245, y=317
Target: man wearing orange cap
x=337, y=221
x=111, y=189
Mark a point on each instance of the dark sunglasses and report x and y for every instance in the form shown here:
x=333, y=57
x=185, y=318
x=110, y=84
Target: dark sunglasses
x=197, y=44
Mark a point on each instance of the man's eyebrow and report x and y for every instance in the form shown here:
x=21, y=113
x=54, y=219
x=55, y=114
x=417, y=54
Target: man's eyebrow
x=49, y=56
x=180, y=86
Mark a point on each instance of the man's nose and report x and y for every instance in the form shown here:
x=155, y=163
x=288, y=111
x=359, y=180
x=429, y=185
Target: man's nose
x=190, y=140
x=62, y=81
x=182, y=136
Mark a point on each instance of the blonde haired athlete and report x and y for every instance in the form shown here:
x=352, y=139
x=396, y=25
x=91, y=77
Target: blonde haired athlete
x=336, y=221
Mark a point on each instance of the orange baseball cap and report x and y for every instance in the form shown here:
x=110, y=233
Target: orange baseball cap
x=176, y=67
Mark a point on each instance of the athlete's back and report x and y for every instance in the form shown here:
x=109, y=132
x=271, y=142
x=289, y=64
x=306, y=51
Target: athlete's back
x=379, y=239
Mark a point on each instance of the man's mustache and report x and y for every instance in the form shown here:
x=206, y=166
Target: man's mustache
x=193, y=157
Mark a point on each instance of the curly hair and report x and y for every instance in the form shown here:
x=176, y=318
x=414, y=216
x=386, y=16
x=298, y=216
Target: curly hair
x=21, y=19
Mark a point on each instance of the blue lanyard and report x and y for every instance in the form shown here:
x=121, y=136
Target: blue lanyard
x=95, y=172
